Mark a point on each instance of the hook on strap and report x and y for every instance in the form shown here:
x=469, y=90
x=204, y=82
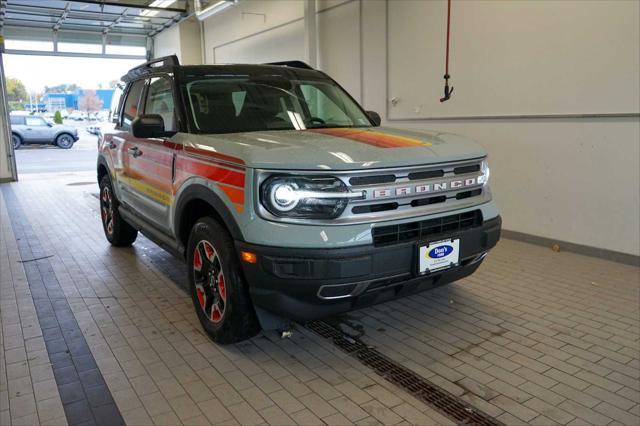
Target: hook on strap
x=447, y=90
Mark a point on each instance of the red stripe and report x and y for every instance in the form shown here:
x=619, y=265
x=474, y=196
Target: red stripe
x=211, y=172
x=217, y=155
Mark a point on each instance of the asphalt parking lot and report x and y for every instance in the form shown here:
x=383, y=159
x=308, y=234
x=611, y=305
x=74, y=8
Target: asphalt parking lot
x=41, y=158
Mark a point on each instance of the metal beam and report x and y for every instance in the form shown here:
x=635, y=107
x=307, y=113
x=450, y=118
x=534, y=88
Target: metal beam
x=73, y=13
x=130, y=5
x=114, y=23
x=3, y=12
x=72, y=55
x=62, y=18
x=93, y=29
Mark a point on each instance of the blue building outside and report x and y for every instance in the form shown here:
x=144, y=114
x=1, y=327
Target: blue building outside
x=57, y=101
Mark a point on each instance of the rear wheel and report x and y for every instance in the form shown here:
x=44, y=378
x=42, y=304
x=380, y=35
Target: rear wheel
x=64, y=141
x=16, y=140
x=116, y=229
x=220, y=295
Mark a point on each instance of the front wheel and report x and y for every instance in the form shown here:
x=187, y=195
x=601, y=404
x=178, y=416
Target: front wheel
x=218, y=290
x=118, y=232
x=15, y=139
x=64, y=141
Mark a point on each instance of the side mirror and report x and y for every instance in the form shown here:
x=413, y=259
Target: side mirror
x=148, y=126
x=374, y=117
x=49, y=124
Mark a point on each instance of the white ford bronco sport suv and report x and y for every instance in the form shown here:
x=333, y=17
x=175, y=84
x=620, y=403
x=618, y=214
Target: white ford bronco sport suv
x=284, y=196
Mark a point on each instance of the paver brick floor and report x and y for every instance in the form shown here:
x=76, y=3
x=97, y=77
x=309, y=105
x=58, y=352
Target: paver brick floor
x=533, y=337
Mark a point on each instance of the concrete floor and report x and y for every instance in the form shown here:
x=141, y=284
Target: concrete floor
x=97, y=335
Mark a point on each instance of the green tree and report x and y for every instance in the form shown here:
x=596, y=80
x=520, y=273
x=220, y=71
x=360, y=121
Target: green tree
x=16, y=92
x=57, y=117
x=15, y=106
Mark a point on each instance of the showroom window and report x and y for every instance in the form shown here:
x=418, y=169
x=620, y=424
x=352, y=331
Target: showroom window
x=160, y=101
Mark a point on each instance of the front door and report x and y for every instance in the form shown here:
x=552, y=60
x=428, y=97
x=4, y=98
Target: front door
x=36, y=129
x=149, y=163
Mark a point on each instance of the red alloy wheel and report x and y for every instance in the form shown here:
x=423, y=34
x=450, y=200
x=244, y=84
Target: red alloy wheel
x=209, y=281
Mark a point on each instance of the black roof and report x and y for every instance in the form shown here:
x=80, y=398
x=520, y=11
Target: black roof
x=172, y=64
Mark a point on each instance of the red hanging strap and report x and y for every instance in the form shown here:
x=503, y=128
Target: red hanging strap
x=447, y=91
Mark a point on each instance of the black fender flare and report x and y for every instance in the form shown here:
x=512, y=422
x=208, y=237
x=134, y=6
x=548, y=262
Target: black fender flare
x=103, y=162
x=201, y=192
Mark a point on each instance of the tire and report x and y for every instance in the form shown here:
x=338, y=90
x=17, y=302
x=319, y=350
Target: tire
x=65, y=141
x=16, y=140
x=118, y=232
x=218, y=290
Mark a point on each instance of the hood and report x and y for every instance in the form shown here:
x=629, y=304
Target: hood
x=337, y=149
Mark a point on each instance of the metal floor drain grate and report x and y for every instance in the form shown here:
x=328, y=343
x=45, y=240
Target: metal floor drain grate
x=432, y=395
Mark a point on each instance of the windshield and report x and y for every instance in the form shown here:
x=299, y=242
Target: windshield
x=229, y=104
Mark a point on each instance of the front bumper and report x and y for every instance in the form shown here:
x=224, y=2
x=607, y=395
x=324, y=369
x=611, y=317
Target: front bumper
x=307, y=284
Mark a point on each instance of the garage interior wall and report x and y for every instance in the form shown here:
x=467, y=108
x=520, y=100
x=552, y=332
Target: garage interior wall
x=570, y=178
x=182, y=40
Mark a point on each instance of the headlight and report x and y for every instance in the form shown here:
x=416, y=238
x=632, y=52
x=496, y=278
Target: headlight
x=306, y=197
x=484, y=169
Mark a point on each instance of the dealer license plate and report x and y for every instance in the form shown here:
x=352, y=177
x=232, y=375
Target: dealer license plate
x=439, y=255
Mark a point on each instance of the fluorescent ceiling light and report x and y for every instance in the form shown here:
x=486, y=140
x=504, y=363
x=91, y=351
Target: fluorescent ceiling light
x=211, y=10
x=157, y=3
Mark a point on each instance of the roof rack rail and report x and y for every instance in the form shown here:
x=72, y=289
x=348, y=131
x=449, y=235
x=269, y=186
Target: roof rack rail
x=292, y=64
x=165, y=61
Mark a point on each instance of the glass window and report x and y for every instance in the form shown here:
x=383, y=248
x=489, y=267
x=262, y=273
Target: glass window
x=324, y=108
x=79, y=48
x=16, y=119
x=160, y=101
x=34, y=121
x=130, y=110
x=229, y=103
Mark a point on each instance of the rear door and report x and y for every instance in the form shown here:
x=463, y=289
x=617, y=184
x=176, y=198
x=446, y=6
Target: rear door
x=150, y=162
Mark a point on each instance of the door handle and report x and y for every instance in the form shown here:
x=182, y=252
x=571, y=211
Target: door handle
x=135, y=152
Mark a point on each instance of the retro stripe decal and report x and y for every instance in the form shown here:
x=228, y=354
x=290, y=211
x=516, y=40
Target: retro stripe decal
x=211, y=172
x=373, y=138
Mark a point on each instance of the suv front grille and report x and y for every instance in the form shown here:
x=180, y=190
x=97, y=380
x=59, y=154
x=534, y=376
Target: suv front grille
x=417, y=231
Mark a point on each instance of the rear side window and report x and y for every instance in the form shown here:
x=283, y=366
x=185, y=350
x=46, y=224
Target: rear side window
x=131, y=104
x=160, y=101
x=17, y=120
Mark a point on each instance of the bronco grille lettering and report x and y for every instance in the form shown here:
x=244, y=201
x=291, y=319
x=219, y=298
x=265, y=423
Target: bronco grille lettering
x=418, y=189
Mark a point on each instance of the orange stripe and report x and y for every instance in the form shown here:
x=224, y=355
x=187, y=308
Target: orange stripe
x=235, y=195
x=211, y=172
x=377, y=139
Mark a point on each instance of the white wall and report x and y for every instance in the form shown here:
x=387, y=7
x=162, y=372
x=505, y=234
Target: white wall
x=167, y=43
x=182, y=40
x=570, y=179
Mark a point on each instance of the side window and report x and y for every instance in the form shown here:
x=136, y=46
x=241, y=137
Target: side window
x=34, y=121
x=130, y=107
x=16, y=119
x=114, y=109
x=160, y=101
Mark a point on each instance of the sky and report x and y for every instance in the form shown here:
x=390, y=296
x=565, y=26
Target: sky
x=39, y=71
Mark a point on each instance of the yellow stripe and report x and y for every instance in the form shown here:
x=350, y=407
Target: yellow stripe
x=146, y=189
x=405, y=139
